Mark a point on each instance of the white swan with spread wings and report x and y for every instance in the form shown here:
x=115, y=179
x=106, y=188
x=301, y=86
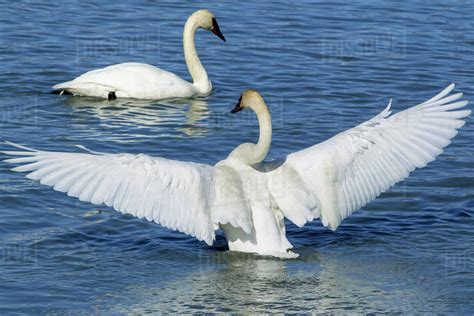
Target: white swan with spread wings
x=249, y=198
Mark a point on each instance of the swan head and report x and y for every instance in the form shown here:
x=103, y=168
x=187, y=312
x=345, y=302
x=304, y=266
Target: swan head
x=206, y=20
x=248, y=99
x=249, y=153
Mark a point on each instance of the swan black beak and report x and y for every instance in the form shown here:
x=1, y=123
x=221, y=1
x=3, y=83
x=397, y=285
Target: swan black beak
x=216, y=30
x=237, y=107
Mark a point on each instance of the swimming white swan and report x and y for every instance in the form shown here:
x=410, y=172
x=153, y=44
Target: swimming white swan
x=249, y=198
x=142, y=81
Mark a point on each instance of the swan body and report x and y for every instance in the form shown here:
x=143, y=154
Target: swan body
x=129, y=80
x=247, y=197
x=266, y=234
x=142, y=81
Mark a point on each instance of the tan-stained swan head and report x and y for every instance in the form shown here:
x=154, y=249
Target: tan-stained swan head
x=248, y=99
x=206, y=20
x=249, y=153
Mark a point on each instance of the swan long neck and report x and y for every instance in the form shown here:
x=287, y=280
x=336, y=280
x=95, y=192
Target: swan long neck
x=197, y=71
x=265, y=138
x=255, y=153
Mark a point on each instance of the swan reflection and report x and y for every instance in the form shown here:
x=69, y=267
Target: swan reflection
x=243, y=283
x=188, y=116
x=239, y=279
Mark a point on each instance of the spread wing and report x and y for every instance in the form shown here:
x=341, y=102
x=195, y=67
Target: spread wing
x=189, y=197
x=337, y=177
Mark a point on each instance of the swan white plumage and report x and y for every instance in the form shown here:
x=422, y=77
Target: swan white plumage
x=142, y=81
x=249, y=198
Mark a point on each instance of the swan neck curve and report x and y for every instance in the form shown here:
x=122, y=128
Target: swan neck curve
x=254, y=153
x=196, y=69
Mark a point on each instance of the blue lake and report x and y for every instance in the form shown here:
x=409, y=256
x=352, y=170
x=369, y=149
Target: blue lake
x=322, y=67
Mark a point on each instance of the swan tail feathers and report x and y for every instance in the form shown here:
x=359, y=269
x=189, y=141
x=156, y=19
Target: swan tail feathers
x=84, y=89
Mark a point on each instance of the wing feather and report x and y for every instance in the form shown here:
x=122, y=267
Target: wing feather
x=352, y=168
x=188, y=197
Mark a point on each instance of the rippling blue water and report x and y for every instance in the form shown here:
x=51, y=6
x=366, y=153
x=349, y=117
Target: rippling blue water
x=322, y=67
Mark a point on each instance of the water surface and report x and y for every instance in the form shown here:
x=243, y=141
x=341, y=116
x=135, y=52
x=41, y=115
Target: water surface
x=322, y=67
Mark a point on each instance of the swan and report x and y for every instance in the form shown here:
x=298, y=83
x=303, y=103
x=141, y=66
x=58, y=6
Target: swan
x=142, y=81
x=247, y=197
